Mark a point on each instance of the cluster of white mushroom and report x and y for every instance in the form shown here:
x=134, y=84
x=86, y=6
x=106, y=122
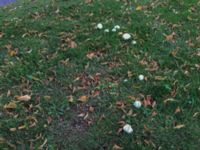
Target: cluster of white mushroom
x=125, y=36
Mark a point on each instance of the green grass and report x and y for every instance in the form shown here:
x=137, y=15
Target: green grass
x=47, y=69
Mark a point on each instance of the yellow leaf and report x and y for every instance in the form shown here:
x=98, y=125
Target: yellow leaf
x=10, y=105
x=23, y=98
x=12, y=52
x=138, y=8
x=179, y=126
x=83, y=98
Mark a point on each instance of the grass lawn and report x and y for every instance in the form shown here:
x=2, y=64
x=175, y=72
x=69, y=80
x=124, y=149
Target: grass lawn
x=66, y=85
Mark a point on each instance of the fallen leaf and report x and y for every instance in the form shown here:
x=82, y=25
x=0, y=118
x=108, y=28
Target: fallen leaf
x=1, y=34
x=13, y=52
x=139, y=8
x=91, y=109
x=24, y=98
x=148, y=101
x=130, y=74
x=120, y=104
x=2, y=140
x=196, y=114
x=160, y=78
x=47, y=98
x=10, y=105
x=170, y=100
x=72, y=44
x=88, y=1
x=13, y=129
x=179, y=126
x=117, y=147
x=70, y=98
x=91, y=55
x=95, y=93
x=177, y=110
x=83, y=98
x=170, y=37
x=21, y=127
x=49, y=120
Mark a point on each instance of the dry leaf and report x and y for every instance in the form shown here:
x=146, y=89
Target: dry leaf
x=88, y=1
x=10, y=105
x=13, y=129
x=95, y=93
x=13, y=52
x=91, y=109
x=120, y=104
x=138, y=8
x=49, y=120
x=117, y=147
x=24, y=98
x=130, y=74
x=160, y=78
x=177, y=110
x=148, y=101
x=170, y=37
x=72, y=44
x=170, y=100
x=21, y=127
x=83, y=98
x=70, y=98
x=1, y=34
x=47, y=98
x=91, y=55
x=179, y=126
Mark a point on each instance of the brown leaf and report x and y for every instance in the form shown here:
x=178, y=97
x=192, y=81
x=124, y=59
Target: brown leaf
x=49, y=120
x=91, y=55
x=8, y=46
x=88, y=1
x=148, y=101
x=1, y=34
x=83, y=98
x=130, y=74
x=24, y=98
x=10, y=105
x=179, y=126
x=95, y=93
x=70, y=99
x=117, y=147
x=91, y=109
x=170, y=37
x=72, y=44
x=13, y=52
x=120, y=104
x=177, y=110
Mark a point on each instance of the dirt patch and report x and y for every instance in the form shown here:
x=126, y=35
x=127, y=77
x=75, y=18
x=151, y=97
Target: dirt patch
x=71, y=131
